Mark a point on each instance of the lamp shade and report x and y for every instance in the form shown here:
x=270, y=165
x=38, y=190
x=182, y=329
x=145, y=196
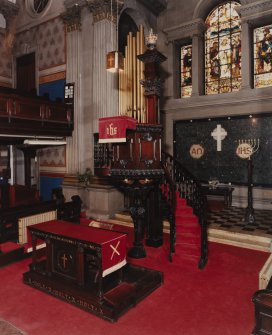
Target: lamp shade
x=115, y=61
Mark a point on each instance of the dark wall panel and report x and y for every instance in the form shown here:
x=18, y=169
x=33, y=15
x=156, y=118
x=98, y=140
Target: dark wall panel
x=225, y=165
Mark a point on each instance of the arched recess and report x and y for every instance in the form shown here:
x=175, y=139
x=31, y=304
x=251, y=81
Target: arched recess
x=129, y=21
x=204, y=7
x=126, y=25
x=2, y=21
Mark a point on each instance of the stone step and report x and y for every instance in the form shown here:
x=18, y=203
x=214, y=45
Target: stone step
x=215, y=234
x=124, y=218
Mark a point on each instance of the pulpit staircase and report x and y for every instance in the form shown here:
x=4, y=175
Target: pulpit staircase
x=185, y=207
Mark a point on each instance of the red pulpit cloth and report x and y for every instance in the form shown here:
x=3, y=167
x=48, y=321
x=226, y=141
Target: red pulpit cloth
x=113, y=129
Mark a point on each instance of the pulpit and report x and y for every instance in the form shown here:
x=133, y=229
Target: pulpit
x=136, y=170
x=136, y=156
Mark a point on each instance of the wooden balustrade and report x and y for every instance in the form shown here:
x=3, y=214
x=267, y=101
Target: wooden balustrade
x=25, y=114
x=179, y=179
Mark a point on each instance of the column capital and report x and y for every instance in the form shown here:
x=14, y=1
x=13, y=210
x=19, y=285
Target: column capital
x=72, y=18
x=8, y=9
x=105, y=9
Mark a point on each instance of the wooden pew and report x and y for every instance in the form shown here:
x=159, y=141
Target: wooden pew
x=20, y=195
x=262, y=300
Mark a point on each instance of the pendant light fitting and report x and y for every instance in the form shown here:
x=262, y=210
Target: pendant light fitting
x=115, y=59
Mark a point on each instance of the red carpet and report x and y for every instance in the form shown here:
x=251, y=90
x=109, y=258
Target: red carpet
x=188, y=233
x=216, y=300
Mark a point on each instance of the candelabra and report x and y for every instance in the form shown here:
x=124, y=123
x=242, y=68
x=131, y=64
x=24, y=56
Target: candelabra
x=248, y=148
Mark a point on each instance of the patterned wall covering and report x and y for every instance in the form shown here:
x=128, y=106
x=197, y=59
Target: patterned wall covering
x=53, y=157
x=49, y=37
x=5, y=59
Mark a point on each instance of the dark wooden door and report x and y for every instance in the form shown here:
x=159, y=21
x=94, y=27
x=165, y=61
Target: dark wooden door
x=26, y=73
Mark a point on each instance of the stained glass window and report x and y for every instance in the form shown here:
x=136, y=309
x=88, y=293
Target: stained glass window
x=223, y=49
x=186, y=70
x=263, y=56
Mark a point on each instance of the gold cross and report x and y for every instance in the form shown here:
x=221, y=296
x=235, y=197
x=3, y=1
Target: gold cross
x=64, y=259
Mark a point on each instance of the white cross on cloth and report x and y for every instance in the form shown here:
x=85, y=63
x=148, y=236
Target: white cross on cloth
x=219, y=135
x=115, y=251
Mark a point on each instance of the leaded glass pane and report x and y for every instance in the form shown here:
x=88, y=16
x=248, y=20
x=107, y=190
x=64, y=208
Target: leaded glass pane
x=212, y=87
x=263, y=56
x=186, y=70
x=223, y=49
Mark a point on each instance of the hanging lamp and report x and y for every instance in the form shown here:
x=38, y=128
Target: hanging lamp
x=115, y=59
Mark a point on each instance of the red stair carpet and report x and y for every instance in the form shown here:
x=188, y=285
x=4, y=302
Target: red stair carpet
x=216, y=300
x=188, y=234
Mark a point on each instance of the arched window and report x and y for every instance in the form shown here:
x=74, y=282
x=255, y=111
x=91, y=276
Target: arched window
x=263, y=56
x=223, y=49
x=186, y=70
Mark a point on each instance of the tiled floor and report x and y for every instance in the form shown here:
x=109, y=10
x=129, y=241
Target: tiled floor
x=7, y=328
x=233, y=219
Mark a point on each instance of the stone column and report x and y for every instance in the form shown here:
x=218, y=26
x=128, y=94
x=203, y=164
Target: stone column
x=197, y=64
x=246, y=59
x=105, y=84
x=193, y=30
x=72, y=19
x=74, y=69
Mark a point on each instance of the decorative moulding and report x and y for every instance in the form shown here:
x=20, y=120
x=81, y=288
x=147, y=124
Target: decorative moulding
x=255, y=9
x=104, y=9
x=185, y=30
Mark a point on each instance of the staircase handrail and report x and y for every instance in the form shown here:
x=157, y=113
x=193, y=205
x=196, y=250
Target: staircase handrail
x=169, y=198
x=188, y=187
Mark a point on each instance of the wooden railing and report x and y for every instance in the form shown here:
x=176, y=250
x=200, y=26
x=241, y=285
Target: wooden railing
x=179, y=179
x=25, y=114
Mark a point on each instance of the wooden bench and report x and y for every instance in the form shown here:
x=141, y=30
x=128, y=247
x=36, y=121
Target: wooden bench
x=262, y=300
x=20, y=195
x=222, y=193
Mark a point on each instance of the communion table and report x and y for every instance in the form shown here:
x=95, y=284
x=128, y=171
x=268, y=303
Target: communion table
x=87, y=267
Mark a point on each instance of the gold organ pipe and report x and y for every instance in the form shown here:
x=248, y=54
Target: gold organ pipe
x=120, y=96
x=142, y=101
x=138, y=76
x=127, y=77
x=134, y=79
x=126, y=84
x=131, y=75
x=129, y=72
x=131, y=92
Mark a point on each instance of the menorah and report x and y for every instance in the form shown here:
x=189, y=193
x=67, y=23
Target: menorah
x=252, y=146
x=247, y=149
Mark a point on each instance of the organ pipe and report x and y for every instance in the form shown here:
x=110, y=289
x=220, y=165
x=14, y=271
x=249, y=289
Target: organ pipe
x=131, y=92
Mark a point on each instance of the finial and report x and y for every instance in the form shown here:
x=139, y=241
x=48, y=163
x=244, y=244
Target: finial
x=151, y=40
